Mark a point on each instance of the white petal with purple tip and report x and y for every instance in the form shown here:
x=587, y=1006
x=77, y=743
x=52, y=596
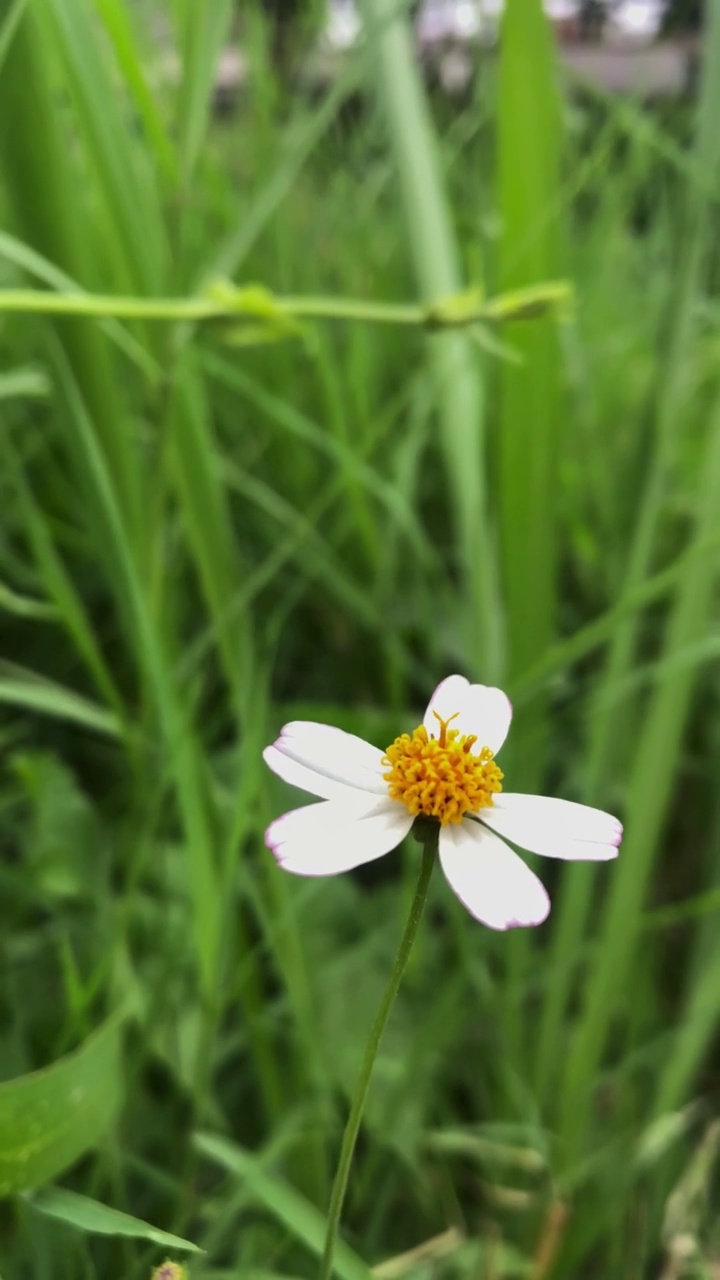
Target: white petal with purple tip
x=489, y=878
x=326, y=761
x=328, y=838
x=554, y=828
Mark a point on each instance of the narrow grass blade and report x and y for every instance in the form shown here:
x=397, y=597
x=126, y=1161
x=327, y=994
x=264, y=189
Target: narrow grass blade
x=22, y=688
x=529, y=152
x=59, y=584
x=608, y=724
x=100, y=1219
x=649, y=792
x=209, y=525
x=528, y=132
x=459, y=385
x=297, y=1215
x=203, y=31
x=126, y=179
x=700, y=1005
x=172, y=717
x=42, y=197
x=119, y=25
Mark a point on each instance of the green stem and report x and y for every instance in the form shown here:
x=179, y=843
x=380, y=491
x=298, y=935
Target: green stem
x=259, y=305
x=352, y=1127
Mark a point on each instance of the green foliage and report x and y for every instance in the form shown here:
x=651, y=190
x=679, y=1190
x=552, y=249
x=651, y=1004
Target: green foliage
x=296, y=1215
x=51, y=1117
x=202, y=538
x=98, y=1219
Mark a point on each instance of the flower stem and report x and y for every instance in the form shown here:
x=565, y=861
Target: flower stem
x=352, y=1127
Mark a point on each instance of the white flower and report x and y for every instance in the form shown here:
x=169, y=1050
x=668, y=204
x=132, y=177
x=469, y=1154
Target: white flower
x=445, y=770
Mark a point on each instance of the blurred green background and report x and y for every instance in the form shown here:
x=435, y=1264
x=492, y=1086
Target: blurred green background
x=212, y=526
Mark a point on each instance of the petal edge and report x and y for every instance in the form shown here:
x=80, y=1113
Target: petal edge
x=490, y=879
x=480, y=709
x=326, y=761
x=329, y=838
x=554, y=828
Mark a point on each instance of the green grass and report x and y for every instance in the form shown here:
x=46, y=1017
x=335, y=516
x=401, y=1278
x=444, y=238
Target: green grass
x=202, y=539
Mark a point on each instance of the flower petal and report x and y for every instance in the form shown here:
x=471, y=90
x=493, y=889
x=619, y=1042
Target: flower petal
x=555, y=828
x=326, y=761
x=489, y=878
x=325, y=839
x=481, y=709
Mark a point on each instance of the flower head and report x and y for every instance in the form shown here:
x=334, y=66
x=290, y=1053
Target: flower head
x=445, y=771
x=169, y=1271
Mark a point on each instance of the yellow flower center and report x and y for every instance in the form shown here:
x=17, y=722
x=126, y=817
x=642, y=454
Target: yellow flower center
x=441, y=777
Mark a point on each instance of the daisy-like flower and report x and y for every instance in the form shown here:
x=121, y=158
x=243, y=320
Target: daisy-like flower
x=444, y=771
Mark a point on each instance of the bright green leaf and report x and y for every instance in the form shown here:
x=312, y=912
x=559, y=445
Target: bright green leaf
x=99, y=1219
x=51, y=1117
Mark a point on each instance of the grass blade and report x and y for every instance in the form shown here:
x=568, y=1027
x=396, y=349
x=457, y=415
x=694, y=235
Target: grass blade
x=297, y=1215
x=100, y=1219
x=459, y=385
x=612, y=724
x=649, y=793
x=529, y=153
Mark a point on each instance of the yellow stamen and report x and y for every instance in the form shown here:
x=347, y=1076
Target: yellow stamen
x=440, y=777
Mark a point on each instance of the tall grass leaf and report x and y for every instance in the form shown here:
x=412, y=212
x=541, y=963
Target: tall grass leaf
x=119, y=25
x=456, y=364
x=210, y=530
x=700, y=1006
x=529, y=140
x=596, y=633
x=296, y=423
x=699, y=1024
x=58, y=582
x=606, y=722
x=126, y=179
x=203, y=32
x=649, y=792
x=686, y=287
x=300, y=138
x=22, y=688
x=149, y=646
x=44, y=202
x=319, y=560
x=529, y=151
x=297, y=1215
